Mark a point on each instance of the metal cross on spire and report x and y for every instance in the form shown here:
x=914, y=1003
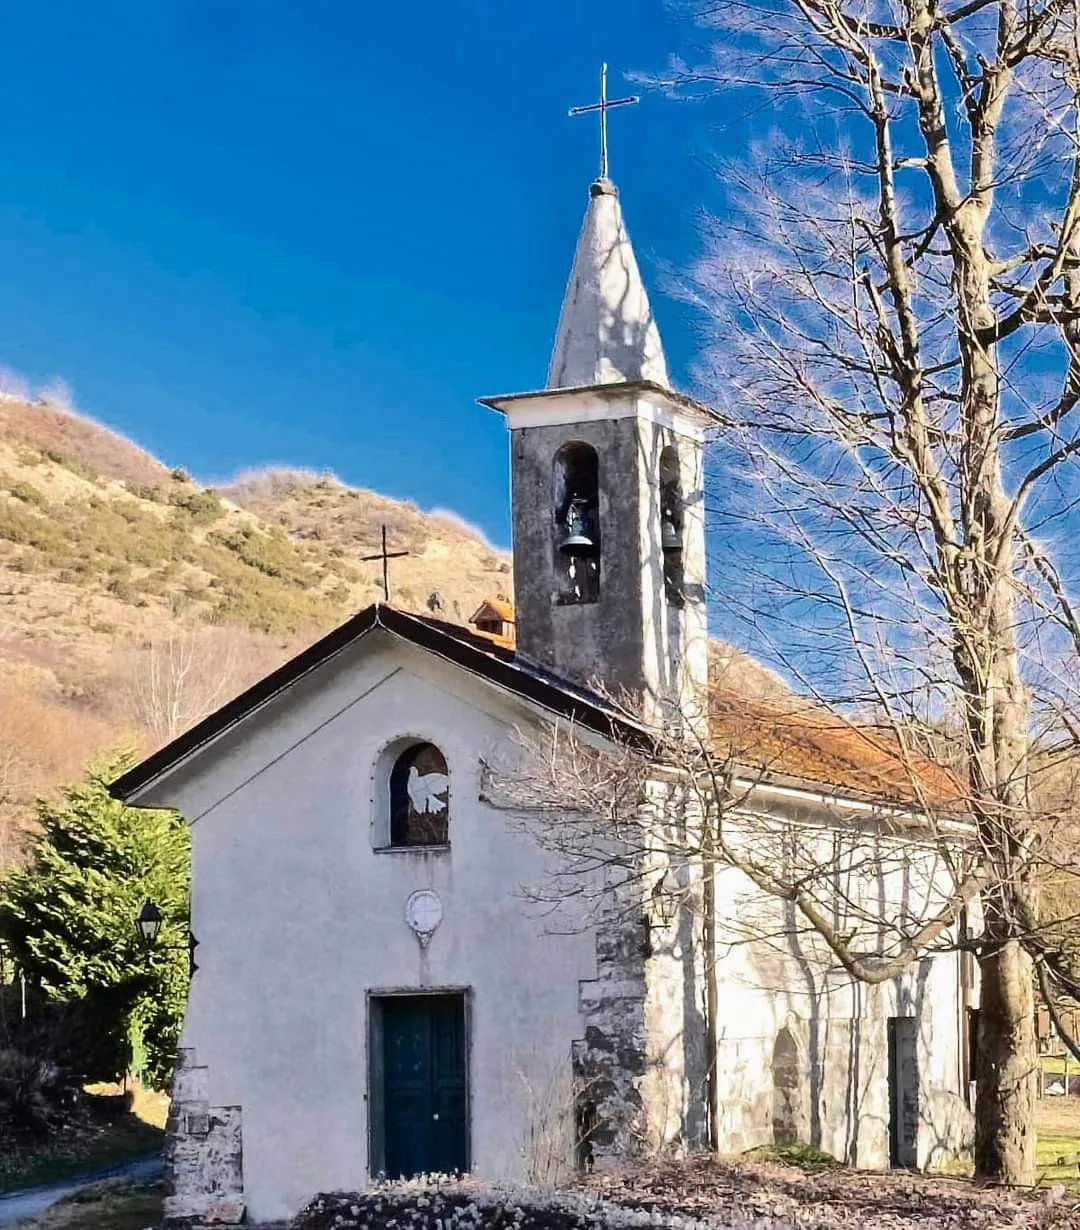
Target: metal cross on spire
x=603, y=106
x=386, y=556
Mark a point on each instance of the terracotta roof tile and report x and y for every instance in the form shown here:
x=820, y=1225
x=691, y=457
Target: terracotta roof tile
x=816, y=745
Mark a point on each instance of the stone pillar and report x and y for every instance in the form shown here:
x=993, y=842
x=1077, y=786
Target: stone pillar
x=204, y=1181
x=610, y=1060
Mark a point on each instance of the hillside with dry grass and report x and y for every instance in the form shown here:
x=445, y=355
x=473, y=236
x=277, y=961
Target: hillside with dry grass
x=133, y=601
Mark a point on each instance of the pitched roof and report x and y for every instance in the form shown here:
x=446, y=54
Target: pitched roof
x=500, y=608
x=481, y=655
x=813, y=745
x=776, y=738
x=607, y=333
x=497, y=610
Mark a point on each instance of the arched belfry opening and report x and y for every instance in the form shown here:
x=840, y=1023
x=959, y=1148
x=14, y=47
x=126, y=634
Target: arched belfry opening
x=671, y=524
x=575, y=495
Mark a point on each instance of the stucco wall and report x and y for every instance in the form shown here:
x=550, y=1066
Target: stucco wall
x=299, y=918
x=786, y=980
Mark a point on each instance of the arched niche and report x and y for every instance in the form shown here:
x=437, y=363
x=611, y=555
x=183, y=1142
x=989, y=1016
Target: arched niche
x=672, y=522
x=575, y=508
x=787, y=1109
x=412, y=795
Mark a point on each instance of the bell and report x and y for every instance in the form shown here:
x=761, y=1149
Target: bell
x=669, y=535
x=577, y=540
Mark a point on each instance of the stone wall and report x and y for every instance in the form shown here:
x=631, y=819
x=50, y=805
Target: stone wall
x=204, y=1178
x=609, y=1060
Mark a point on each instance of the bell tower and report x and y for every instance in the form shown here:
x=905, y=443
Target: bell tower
x=607, y=491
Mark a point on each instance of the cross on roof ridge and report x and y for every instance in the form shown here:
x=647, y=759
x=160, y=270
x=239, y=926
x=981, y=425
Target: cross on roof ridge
x=386, y=556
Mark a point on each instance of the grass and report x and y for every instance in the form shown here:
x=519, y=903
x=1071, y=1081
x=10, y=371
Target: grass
x=806, y=1156
x=1057, y=1158
x=114, y=1205
x=1058, y=1124
x=106, y=1139
x=1054, y=1065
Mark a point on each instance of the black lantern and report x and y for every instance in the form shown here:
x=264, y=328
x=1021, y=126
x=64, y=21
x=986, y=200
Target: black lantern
x=149, y=922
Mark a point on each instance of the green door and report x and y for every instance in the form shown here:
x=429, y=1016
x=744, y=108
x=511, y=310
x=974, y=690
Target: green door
x=424, y=1084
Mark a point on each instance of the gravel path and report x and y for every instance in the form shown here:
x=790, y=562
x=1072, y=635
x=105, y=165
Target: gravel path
x=32, y=1201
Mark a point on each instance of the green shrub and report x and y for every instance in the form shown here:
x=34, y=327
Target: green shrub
x=122, y=588
x=147, y=491
x=33, y=1094
x=27, y=492
x=202, y=507
x=28, y=529
x=273, y=556
x=67, y=919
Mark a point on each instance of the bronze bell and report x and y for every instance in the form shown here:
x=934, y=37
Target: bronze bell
x=669, y=533
x=577, y=540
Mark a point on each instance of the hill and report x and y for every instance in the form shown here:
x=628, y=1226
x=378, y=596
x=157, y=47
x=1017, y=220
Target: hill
x=133, y=600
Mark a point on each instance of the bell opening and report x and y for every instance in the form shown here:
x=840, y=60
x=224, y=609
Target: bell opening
x=575, y=493
x=671, y=524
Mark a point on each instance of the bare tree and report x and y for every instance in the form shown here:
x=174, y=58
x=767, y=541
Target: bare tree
x=894, y=291
x=173, y=681
x=886, y=868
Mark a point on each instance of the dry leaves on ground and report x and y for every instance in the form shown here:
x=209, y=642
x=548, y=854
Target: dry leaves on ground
x=701, y=1194
x=828, y=1198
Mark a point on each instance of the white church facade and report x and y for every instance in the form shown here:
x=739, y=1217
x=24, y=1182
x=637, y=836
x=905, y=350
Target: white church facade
x=376, y=994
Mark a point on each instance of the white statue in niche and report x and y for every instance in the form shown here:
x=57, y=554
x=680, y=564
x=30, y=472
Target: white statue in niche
x=420, y=797
x=426, y=793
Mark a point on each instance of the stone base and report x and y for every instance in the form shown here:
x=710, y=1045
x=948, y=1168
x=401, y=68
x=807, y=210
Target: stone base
x=183, y=1211
x=203, y=1154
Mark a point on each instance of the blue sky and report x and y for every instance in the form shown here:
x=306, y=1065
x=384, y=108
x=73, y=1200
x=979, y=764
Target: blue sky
x=254, y=231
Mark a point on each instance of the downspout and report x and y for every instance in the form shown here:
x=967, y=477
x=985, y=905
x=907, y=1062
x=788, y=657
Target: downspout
x=708, y=907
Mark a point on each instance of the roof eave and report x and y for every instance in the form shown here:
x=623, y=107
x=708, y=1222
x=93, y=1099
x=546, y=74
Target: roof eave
x=548, y=695
x=825, y=793
x=240, y=708
x=706, y=415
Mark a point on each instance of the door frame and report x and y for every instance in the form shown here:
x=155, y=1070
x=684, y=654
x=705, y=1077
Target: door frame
x=375, y=997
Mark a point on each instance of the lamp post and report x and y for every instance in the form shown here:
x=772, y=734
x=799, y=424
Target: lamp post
x=148, y=923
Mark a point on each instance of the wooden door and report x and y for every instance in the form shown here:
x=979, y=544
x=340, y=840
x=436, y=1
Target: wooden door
x=903, y=1091
x=424, y=1088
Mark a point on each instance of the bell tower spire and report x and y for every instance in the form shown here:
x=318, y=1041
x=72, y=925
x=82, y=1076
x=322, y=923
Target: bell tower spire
x=606, y=328
x=607, y=331
x=606, y=486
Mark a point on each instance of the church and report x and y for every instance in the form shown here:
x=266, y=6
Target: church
x=375, y=994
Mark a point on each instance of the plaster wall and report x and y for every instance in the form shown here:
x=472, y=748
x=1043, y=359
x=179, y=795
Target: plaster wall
x=773, y=974
x=300, y=917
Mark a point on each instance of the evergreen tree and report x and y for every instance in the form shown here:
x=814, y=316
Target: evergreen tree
x=68, y=920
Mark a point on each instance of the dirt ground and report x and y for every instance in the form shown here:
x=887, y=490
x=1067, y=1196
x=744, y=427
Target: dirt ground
x=828, y=1198
x=825, y=1197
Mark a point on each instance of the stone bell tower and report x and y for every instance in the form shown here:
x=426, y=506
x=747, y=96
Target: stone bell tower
x=606, y=487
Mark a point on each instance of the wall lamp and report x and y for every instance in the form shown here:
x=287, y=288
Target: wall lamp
x=148, y=922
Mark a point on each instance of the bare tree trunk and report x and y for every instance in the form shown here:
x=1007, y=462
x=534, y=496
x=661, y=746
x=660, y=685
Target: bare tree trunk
x=1006, y=1067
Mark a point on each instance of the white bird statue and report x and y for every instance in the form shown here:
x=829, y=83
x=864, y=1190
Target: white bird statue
x=425, y=793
